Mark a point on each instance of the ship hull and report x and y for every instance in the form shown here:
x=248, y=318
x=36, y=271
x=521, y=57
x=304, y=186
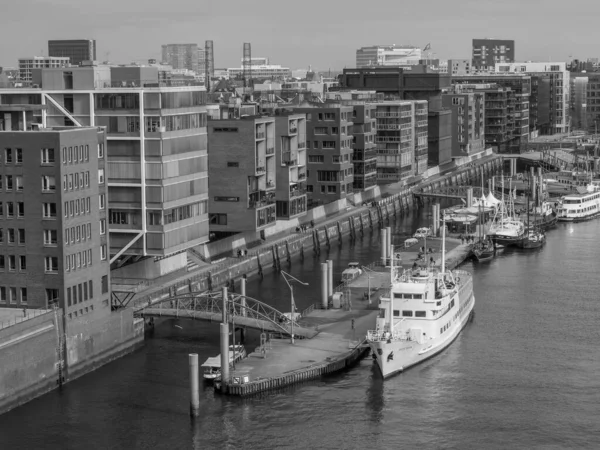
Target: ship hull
x=581, y=218
x=406, y=354
x=507, y=240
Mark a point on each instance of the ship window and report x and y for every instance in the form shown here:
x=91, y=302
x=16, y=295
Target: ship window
x=407, y=313
x=409, y=296
x=397, y=295
x=417, y=296
x=439, y=303
x=396, y=313
x=420, y=314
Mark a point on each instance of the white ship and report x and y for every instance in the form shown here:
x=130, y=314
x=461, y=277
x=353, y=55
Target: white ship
x=423, y=313
x=581, y=206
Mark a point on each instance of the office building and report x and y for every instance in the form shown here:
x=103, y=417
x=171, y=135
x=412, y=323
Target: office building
x=579, y=101
x=468, y=121
x=53, y=218
x=401, y=140
x=27, y=65
x=181, y=56
x=388, y=55
x=549, y=100
x=488, y=52
x=261, y=69
x=592, y=103
x=329, y=143
x=242, y=167
x=77, y=50
x=398, y=84
x=459, y=67
x=156, y=167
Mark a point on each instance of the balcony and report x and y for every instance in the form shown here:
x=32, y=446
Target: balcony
x=384, y=139
x=422, y=123
x=260, y=199
x=260, y=135
x=297, y=192
x=270, y=151
x=261, y=170
x=293, y=130
x=302, y=176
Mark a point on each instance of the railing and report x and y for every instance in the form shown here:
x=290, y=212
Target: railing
x=301, y=176
x=422, y=123
x=261, y=169
x=19, y=319
x=297, y=192
x=270, y=151
x=293, y=130
x=291, y=162
x=302, y=144
x=260, y=135
x=152, y=83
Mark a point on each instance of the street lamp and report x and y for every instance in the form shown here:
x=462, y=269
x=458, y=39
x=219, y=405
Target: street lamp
x=287, y=277
x=366, y=269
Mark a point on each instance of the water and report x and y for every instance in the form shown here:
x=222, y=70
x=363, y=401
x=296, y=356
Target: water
x=523, y=374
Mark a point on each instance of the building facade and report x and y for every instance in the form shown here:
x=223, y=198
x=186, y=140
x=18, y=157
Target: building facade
x=329, y=142
x=468, y=122
x=261, y=69
x=401, y=140
x=53, y=220
x=592, y=104
x=181, y=56
x=459, y=67
x=27, y=65
x=77, y=50
x=388, y=55
x=579, y=101
x=551, y=81
x=488, y=52
x=242, y=166
x=156, y=154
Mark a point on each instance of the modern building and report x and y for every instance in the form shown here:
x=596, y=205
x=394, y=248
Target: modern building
x=77, y=50
x=468, y=121
x=156, y=154
x=579, y=101
x=27, y=65
x=459, y=67
x=592, y=104
x=242, y=167
x=488, y=52
x=551, y=83
x=181, y=56
x=388, y=55
x=329, y=142
x=398, y=84
x=261, y=69
x=401, y=140
x=53, y=219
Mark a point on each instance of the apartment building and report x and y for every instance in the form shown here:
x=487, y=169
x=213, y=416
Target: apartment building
x=401, y=140
x=291, y=164
x=506, y=108
x=181, y=56
x=468, y=121
x=579, y=101
x=459, y=67
x=77, y=50
x=592, y=103
x=156, y=153
x=27, y=65
x=550, y=93
x=242, y=167
x=329, y=142
x=53, y=218
x=388, y=55
x=488, y=52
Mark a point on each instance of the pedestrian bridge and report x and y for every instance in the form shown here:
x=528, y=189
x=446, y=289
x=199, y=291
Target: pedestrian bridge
x=242, y=311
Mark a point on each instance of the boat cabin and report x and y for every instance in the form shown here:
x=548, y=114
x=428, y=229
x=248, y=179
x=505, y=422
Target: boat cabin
x=352, y=272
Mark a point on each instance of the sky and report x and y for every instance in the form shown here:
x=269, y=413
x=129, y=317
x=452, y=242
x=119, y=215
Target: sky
x=296, y=34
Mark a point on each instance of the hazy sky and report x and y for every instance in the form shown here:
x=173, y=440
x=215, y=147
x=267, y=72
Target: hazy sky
x=324, y=33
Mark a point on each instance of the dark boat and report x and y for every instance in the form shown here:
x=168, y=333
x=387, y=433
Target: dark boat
x=484, y=248
x=534, y=239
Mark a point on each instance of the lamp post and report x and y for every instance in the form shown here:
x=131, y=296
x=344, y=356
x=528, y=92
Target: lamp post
x=367, y=270
x=287, y=277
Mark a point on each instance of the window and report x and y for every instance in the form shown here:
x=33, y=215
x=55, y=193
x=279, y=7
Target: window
x=102, y=227
x=70, y=181
x=76, y=207
x=233, y=164
x=50, y=237
x=49, y=210
x=217, y=219
x=225, y=130
x=64, y=155
x=81, y=178
x=12, y=263
x=48, y=183
x=335, y=130
x=1, y=183
x=74, y=290
x=19, y=183
x=11, y=235
x=118, y=217
x=103, y=252
x=87, y=205
x=407, y=313
x=101, y=201
x=51, y=296
x=329, y=144
x=9, y=182
x=80, y=153
x=22, y=263
x=331, y=189
x=396, y=313
x=89, y=231
x=105, y=284
x=51, y=264
x=90, y=288
x=87, y=179
x=10, y=209
x=13, y=294
x=100, y=151
x=20, y=209
x=47, y=156
x=100, y=176
x=8, y=156
x=85, y=291
x=21, y=236
x=320, y=130
x=1, y=236
x=420, y=314
x=18, y=155
x=86, y=153
x=316, y=159
x=2, y=266
x=2, y=294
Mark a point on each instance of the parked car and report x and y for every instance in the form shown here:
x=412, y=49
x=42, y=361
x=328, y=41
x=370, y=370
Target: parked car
x=422, y=233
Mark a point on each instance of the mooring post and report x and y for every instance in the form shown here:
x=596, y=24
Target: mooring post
x=389, y=242
x=243, y=299
x=324, y=298
x=224, y=341
x=194, y=385
x=383, y=246
x=329, y=278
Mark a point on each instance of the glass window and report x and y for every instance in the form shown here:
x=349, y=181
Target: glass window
x=407, y=313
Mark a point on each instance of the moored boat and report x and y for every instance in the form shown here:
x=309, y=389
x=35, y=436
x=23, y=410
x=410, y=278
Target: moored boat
x=583, y=205
x=534, y=239
x=212, y=366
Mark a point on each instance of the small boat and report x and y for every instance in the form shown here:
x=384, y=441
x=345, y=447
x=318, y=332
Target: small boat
x=351, y=272
x=484, y=250
x=212, y=366
x=423, y=233
x=534, y=239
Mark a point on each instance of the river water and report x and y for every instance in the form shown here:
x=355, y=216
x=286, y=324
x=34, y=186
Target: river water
x=525, y=373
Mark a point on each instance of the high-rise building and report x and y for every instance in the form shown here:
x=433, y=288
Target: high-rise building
x=550, y=86
x=181, y=56
x=27, y=65
x=468, y=121
x=401, y=140
x=592, y=103
x=488, y=52
x=388, y=55
x=156, y=154
x=77, y=50
x=329, y=143
x=53, y=225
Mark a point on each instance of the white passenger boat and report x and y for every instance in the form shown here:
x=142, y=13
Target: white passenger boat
x=212, y=366
x=422, y=314
x=583, y=205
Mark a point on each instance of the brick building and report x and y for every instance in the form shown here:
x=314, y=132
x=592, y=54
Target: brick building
x=468, y=121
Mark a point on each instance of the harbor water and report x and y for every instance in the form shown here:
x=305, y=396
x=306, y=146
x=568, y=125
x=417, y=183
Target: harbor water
x=523, y=374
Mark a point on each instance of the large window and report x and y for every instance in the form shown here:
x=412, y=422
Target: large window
x=117, y=101
x=217, y=219
x=185, y=122
x=51, y=263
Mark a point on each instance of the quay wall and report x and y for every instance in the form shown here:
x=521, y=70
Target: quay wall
x=271, y=256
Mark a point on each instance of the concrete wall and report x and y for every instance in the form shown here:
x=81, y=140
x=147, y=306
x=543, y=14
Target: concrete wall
x=28, y=357
x=228, y=244
x=148, y=268
x=91, y=343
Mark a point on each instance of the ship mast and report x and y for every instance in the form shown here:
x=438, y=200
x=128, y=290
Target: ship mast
x=391, y=288
x=443, y=244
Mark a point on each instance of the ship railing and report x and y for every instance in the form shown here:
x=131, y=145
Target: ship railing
x=378, y=335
